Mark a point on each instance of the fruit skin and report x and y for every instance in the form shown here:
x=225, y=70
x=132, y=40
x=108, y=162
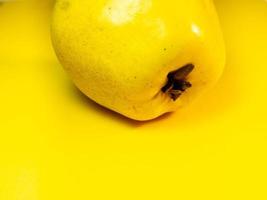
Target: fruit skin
x=119, y=52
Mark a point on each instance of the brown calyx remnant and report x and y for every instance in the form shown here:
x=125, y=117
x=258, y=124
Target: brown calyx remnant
x=177, y=82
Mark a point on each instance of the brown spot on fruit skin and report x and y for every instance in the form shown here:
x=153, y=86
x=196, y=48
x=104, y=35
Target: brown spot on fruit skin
x=177, y=82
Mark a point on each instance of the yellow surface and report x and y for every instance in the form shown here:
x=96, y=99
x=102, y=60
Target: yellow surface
x=56, y=144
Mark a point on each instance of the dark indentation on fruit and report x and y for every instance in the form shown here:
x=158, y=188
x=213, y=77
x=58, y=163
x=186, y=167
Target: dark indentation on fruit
x=177, y=82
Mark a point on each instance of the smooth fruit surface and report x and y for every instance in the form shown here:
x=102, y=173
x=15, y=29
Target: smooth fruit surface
x=119, y=52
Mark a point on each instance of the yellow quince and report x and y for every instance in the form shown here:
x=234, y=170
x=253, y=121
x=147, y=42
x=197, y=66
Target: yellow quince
x=140, y=58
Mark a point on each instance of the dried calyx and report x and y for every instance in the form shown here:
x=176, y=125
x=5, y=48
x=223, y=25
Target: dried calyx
x=177, y=82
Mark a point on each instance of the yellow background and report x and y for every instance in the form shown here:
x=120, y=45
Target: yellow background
x=57, y=144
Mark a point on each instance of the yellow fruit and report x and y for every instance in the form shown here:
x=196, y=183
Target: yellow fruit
x=139, y=58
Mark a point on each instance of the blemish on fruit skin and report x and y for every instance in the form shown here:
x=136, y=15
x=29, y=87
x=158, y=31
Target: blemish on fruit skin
x=100, y=29
x=65, y=5
x=134, y=108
